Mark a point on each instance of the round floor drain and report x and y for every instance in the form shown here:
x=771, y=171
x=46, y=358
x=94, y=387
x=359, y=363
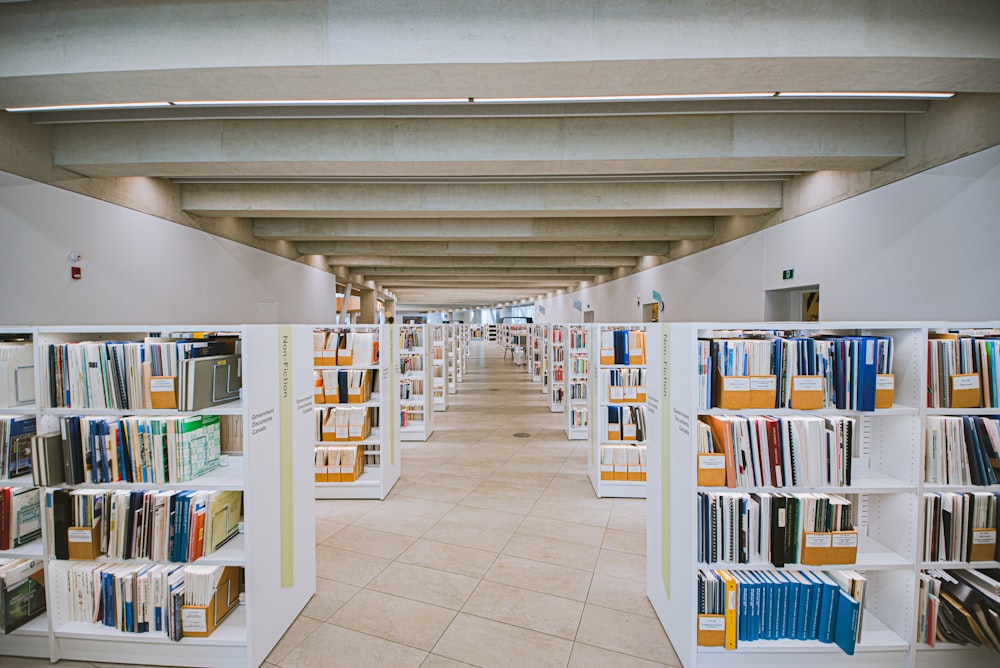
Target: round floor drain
x=522, y=434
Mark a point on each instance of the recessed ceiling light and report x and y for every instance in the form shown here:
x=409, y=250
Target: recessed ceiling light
x=621, y=98
x=330, y=102
x=868, y=94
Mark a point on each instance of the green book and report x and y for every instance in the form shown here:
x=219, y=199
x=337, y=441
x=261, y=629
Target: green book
x=22, y=593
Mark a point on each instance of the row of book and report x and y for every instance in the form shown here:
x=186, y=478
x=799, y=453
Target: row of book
x=770, y=370
x=578, y=390
x=766, y=451
x=623, y=347
x=411, y=416
x=623, y=462
x=625, y=385
x=22, y=592
x=579, y=365
x=558, y=375
x=745, y=606
x=411, y=388
x=962, y=450
x=775, y=528
x=334, y=386
x=344, y=348
x=136, y=449
x=346, y=424
x=578, y=338
x=959, y=606
x=20, y=516
x=963, y=369
x=339, y=463
x=17, y=373
x=175, y=526
x=960, y=526
x=180, y=373
x=411, y=339
x=15, y=445
x=558, y=335
x=626, y=423
x=557, y=394
x=558, y=354
x=165, y=599
x=411, y=364
x=579, y=416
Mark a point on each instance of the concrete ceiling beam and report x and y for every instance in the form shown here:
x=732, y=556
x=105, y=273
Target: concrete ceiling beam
x=481, y=261
x=385, y=273
x=486, y=229
x=469, y=201
x=449, y=248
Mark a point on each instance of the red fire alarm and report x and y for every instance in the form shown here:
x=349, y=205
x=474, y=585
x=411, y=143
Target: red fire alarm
x=76, y=273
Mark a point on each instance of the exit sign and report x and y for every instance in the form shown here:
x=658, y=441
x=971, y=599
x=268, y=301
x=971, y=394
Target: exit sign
x=787, y=274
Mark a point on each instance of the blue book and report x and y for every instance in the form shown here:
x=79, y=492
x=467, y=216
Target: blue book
x=756, y=605
x=805, y=604
x=770, y=606
x=827, y=607
x=812, y=617
x=108, y=598
x=845, y=632
x=794, y=593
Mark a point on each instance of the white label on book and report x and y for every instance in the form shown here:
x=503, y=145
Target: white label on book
x=885, y=381
x=735, y=383
x=764, y=383
x=731, y=601
x=984, y=536
x=608, y=352
x=781, y=517
x=161, y=385
x=635, y=353
x=617, y=393
x=629, y=431
x=817, y=540
x=716, y=623
x=845, y=540
x=79, y=535
x=966, y=382
x=807, y=384
x=194, y=619
x=712, y=462
x=632, y=393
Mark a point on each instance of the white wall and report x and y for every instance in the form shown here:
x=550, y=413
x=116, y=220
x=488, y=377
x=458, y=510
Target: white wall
x=138, y=269
x=923, y=248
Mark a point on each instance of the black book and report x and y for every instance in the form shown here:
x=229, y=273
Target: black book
x=791, y=530
x=778, y=526
x=343, y=385
x=62, y=520
x=976, y=465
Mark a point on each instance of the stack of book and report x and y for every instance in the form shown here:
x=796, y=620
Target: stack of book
x=20, y=516
x=176, y=526
x=345, y=348
x=17, y=373
x=22, y=592
x=339, y=463
x=346, y=424
x=747, y=606
x=15, y=445
x=623, y=462
x=959, y=606
x=963, y=369
x=962, y=450
x=960, y=526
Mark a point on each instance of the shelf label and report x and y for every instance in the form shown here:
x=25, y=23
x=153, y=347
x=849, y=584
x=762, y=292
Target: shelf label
x=764, y=383
x=304, y=404
x=194, y=619
x=849, y=539
x=712, y=462
x=631, y=392
x=79, y=535
x=885, y=381
x=711, y=623
x=735, y=383
x=984, y=536
x=286, y=459
x=617, y=393
x=807, y=383
x=817, y=540
x=161, y=384
x=965, y=382
x=628, y=431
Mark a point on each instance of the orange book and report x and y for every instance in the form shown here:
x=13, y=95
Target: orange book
x=196, y=544
x=722, y=433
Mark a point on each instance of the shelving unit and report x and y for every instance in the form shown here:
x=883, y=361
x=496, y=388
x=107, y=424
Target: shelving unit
x=454, y=357
x=578, y=394
x=411, y=356
x=602, y=366
x=536, y=352
x=440, y=366
x=276, y=546
x=557, y=378
x=887, y=485
x=381, y=458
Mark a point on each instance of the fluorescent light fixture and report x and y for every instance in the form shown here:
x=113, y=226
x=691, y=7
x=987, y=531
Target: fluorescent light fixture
x=908, y=95
x=318, y=103
x=622, y=98
x=85, y=107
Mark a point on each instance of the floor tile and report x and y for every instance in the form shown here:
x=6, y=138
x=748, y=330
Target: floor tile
x=407, y=525
x=570, y=583
x=570, y=532
x=625, y=541
x=620, y=594
x=498, y=502
x=452, y=558
x=484, y=517
x=552, y=551
x=428, y=585
x=624, y=632
x=369, y=541
x=448, y=480
x=326, y=529
x=343, y=511
x=409, y=505
x=622, y=565
x=350, y=649
x=434, y=492
x=394, y=618
x=491, y=644
x=300, y=629
x=329, y=597
x=586, y=656
x=437, y=661
x=469, y=535
x=528, y=609
x=351, y=568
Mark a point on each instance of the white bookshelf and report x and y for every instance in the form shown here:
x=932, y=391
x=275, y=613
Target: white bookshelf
x=411, y=355
x=886, y=491
x=454, y=356
x=439, y=366
x=556, y=386
x=600, y=369
x=276, y=546
x=578, y=391
x=536, y=354
x=382, y=462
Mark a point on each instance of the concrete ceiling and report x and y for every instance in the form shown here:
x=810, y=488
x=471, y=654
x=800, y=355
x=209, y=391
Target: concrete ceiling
x=466, y=204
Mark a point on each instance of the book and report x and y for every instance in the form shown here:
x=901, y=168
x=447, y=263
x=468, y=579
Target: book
x=22, y=592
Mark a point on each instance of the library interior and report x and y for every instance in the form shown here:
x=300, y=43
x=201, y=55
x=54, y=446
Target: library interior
x=439, y=334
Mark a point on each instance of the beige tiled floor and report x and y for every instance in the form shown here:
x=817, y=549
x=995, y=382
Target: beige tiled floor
x=491, y=550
